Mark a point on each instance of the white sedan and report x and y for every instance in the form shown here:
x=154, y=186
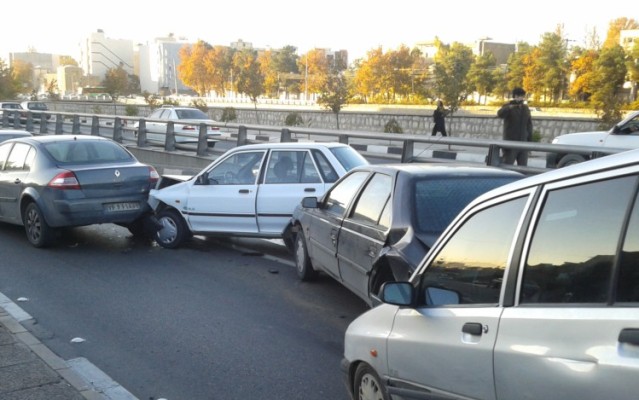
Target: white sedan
x=248, y=191
x=186, y=121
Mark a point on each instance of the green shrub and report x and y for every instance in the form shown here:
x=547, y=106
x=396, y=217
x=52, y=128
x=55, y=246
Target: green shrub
x=228, y=114
x=170, y=102
x=200, y=105
x=131, y=110
x=393, y=126
x=294, y=119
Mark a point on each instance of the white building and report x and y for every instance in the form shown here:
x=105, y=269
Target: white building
x=98, y=54
x=159, y=62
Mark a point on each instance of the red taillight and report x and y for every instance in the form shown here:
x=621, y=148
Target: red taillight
x=188, y=128
x=153, y=176
x=65, y=180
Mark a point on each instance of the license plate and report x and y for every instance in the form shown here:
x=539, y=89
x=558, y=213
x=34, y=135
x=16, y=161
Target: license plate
x=115, y=207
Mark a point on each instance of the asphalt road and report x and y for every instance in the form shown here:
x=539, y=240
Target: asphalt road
x=206, y=321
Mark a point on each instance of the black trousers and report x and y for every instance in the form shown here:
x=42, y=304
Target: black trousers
x=439, y=128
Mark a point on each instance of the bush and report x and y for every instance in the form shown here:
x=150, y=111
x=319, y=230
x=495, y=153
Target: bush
x=393, y=126
x=170, y=102
x=228, y=114
x=294, y=119
x=200, y=105
x=131, y=110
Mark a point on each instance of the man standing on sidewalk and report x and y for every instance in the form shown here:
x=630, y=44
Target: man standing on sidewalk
x=517, y=126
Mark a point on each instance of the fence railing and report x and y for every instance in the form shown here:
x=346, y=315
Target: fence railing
x=400, y=147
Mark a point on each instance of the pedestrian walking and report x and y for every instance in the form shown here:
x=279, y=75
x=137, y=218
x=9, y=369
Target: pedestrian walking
x=517, y=126
x=439, y=117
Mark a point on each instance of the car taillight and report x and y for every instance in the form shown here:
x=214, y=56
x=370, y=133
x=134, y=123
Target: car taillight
x=153, y=175
x=65, y=180
x=188, y=128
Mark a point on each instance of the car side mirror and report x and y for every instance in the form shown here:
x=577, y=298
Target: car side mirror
x=309, y=202
x=397, y=293
x=204, y=180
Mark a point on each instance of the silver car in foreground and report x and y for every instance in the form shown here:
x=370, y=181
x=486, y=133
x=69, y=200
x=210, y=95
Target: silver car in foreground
x=532, y=292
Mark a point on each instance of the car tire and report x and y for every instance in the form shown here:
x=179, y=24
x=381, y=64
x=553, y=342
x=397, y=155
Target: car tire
x=173, y=229
x=303, y=266
x=570, y=159
x=39, y=233
x=367, y=385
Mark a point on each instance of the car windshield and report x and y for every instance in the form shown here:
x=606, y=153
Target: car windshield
x=191, y=114
x=87, y=152
x=438, y=201
x=37, y=106
x=348, y=157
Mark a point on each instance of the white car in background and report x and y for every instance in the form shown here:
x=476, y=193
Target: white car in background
x=624, y=135
x=186, y=121
x=249, y=191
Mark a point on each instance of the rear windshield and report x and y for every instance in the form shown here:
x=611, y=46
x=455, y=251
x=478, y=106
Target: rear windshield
x=82, y=151
x=348, y=157
x=438, y=201
x=191, y=114
x=37, y=106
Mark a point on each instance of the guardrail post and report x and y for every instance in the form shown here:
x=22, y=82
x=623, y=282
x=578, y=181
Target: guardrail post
x=95, y=125
x=59, y=121
x=285, y=136
x=117, y=130
x=16, y=120
x=75, y=128
x=241, y=136
x=29, y=123
x=169, y=142
x=43, y=123
x=202, y=143
x=5, y=119
x=343, y=139
x=142, y=133
x=407, y=151
x=493, y=158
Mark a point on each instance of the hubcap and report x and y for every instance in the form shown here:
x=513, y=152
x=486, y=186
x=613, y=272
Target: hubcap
x=33, y=225
x=369, y=388
x=168, y=232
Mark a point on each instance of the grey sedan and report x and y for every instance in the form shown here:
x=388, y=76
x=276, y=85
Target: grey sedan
x=50, y=182
x=376, y=223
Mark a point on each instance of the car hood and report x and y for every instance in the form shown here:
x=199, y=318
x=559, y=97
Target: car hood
x=171, y=189
x=582, y=138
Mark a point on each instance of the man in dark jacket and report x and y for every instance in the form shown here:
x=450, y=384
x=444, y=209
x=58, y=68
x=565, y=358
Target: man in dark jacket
x=517, y=126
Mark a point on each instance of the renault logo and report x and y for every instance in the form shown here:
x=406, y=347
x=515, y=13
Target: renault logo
x=117, y=173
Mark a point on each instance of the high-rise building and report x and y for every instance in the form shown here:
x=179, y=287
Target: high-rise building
x=98, y=54
x=158, y=65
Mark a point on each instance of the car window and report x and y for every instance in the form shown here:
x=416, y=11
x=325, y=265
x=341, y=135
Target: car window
x=17, y=157
x=348, y=157
x=72, y=151
x=373, y=199
x=341, y=194
x=155, y=114
x=283, y=167
x=472, y=263
x=628, y=281
x=191, y=114
x=326, y=169
x=4, y=152
x=575, y=241
x=438, y=201
x=238, y=169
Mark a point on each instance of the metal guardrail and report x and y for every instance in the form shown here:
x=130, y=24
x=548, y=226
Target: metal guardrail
x=403, y=144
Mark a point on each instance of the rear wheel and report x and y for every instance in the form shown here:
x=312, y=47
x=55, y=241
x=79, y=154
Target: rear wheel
x=570, y=159
x=39, y=233
x=303, y=264
x=367, y=385
x=173, y=229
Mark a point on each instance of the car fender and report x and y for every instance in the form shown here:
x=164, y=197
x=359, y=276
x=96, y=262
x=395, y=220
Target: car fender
x=28, y=195
x=583, y=138
x=175, y=196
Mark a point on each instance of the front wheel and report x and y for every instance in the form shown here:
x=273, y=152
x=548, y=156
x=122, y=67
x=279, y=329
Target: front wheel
x=303, y=264
x=367, y=385
x=39, y=233
x=570, y=159
x=173, y=230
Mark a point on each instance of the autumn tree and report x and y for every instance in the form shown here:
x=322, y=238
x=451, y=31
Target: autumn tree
x=534, y=71
x=23, y=76
x=480, y=74
x=7, y=83
x=614, y=29
x=632, y=63
x=314, y=67
x=250, y=80
x=217, y=61
x=582, y=70
x=516, y=66
x=452, y=64
x=269, y=72
x=116, y=82
x=334, y=94
x=193, y=70
x=68, y=60
x=365, y=80
x=609, y=75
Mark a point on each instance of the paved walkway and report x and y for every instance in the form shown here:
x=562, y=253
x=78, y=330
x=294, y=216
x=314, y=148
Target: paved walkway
x=31, y=371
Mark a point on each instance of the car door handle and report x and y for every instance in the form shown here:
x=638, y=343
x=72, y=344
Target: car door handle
x=630, y=336
x=372, y=252
x=311, y=190
x=244, y=191
x=473, y=328
x=334, y=236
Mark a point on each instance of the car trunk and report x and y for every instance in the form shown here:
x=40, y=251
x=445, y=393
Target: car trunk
x=110, y=181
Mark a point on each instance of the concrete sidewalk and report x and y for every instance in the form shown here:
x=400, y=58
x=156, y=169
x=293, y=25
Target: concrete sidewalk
x=31, y=371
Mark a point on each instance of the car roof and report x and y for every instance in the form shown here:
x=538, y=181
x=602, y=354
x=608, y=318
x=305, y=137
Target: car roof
x=14, y=132
x=289, y=146
x=58, y=138
x=420, y=169
x=602, y=164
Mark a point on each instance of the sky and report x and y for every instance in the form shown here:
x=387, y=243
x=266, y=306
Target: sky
x=357, y=26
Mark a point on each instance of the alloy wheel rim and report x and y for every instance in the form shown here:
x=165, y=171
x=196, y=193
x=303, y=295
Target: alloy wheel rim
x=369, y=389
x=33, y=225
x=168, y=232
